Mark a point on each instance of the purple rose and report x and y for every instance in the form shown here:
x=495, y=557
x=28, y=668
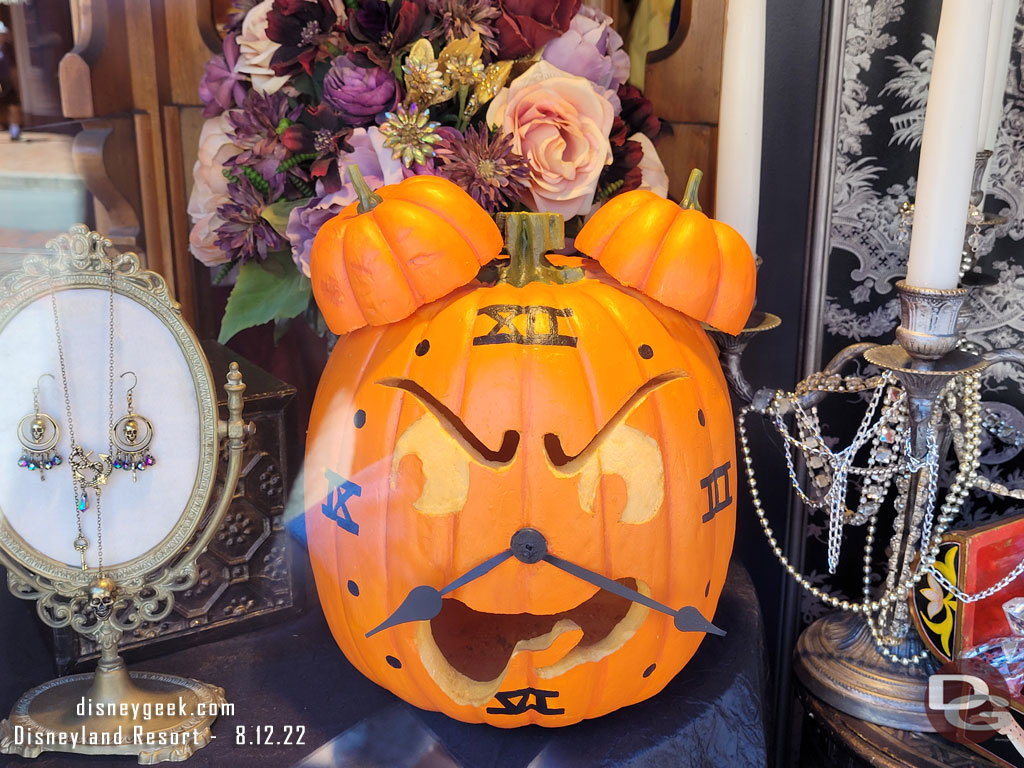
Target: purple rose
x=358, y=93
x=378, y=168
x=591, y=49
x=221, y=86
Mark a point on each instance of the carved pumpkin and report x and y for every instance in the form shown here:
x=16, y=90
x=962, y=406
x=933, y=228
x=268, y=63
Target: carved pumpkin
x=583, y=419
x=408, y=244
x=675, y=254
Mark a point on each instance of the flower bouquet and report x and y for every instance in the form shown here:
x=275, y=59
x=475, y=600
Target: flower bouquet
x=522, y=103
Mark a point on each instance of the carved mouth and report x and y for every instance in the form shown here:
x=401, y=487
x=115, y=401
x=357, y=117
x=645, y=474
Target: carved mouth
x=468, y=653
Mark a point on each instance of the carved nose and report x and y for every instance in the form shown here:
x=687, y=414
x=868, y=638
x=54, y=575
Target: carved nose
x=528, y=545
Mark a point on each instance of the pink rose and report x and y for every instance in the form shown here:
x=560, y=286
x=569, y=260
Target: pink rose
x=210, y=188
x=255, y=50
x=560, y=125
x=202, y=240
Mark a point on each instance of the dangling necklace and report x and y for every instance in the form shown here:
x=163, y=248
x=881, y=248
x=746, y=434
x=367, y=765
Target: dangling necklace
x=87, y=472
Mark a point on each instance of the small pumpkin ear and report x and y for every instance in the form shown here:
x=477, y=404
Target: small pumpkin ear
x=396, y=249
x=675, y=254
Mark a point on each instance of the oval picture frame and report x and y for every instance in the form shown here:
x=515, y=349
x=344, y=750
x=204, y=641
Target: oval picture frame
x=82, y=259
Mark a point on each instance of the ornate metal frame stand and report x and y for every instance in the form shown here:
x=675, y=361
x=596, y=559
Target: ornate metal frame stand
x=156, y=717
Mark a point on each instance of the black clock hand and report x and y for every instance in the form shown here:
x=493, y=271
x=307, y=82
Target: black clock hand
x=424, y=603
x=529, y=546
x=686, y=619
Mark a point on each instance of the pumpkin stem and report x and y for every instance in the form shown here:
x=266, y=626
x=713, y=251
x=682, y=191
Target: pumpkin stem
x=368, y=199
x=528, y=237
x=690, y=201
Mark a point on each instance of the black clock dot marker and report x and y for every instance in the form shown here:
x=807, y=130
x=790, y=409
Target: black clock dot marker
x=707, y=589
x=649, y=670
x=700, y=417
x=359, y=419
x=422, y=348
x=646, y=352
x=353, y=588
x=393, y=662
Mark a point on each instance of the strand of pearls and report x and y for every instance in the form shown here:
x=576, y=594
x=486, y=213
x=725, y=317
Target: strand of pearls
x=970, y=403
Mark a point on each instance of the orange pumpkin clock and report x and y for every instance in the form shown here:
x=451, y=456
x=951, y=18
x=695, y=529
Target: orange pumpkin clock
x=520, y=497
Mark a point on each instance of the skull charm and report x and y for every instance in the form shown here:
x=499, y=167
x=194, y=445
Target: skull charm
x=38, y=430
x=102, y=592
x=131, y=431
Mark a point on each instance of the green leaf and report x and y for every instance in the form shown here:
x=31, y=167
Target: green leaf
x=304, y=84
x=276, y=215
x=274, y=290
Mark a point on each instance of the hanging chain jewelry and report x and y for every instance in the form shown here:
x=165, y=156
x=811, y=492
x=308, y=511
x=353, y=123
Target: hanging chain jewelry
x=969, y=436
x=86, y=472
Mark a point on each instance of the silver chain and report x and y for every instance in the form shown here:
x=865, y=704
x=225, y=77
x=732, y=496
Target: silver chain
x=954, y=499
x=967, y=597
x=81, y=543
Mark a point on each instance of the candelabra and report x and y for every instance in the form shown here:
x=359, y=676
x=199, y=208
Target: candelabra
x=864, y=659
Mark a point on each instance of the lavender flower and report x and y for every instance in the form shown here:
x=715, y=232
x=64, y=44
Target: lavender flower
x=590, y=48
x=258, y=128
x=221, y=87
x=487, y=168
x=358, y=93
x=245, y=234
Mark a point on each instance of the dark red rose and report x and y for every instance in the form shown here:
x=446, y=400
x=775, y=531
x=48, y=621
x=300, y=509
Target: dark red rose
x=638, y=114
x=526, y=25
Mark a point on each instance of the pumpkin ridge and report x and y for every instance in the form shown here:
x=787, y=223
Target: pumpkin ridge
x=385, y=537
x=726, y=295
x=661, y=242
x=453, y=522
x=384, y=313
x=473, y=259
x=418, y=298
x=338, y=558
x=444, y=215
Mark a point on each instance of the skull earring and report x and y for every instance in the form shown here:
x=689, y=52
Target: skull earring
x=132, y=435
x=38, y=434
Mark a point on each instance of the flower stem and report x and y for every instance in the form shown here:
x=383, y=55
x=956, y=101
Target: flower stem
x=463, y=120
x=690, y=201
x=368, y=199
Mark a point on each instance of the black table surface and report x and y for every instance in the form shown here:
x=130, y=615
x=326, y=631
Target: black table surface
x=292, y=674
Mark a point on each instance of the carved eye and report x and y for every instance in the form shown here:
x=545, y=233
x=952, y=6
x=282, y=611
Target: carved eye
x=636, y=458
x=445, y=467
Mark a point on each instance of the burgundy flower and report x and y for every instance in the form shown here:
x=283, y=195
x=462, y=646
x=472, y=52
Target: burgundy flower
x=487, y=168
x=526, y=25
x=323, y=132
x=221, y=87
x=299, y=26
x=378, y=30
x=359, y=94
x=245, y=234
x=638, y=113
x=623, y=174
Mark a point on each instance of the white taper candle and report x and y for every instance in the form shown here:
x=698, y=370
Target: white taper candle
x=738, y=175
x=1000, y=38
x=949, y=144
